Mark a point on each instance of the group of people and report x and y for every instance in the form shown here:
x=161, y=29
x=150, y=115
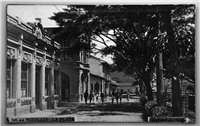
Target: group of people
x=118, y=97
x=91, y=96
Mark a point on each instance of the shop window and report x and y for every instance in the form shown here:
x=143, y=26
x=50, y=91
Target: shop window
x=9, y=86
x=47, y=81
x=24, y=80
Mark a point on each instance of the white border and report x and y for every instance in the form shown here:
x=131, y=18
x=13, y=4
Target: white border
x=3, y=49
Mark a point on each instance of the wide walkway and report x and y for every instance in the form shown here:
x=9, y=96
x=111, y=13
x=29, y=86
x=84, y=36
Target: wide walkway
x=96, y=112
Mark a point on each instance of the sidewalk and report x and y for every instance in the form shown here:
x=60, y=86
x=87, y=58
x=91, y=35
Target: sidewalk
x=68, y=106
x=39, y=113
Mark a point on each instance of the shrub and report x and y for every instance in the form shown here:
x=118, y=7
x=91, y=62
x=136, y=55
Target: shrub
x=150, y=104
x=143, y=100
x=158, y=111
x=147, y=111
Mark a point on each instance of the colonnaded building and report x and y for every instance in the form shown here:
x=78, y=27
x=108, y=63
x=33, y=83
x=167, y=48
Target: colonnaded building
x=33, y=68
x=40, y=74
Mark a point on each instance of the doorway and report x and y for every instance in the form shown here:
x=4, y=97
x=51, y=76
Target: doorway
x=65, y=90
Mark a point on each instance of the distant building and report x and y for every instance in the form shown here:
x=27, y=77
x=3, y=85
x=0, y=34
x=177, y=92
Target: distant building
x=126, y=83
x=33, y=69
x=186, y=87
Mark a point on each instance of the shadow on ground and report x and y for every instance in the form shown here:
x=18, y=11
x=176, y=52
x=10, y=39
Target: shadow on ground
x=107, y=113
x=104, y=109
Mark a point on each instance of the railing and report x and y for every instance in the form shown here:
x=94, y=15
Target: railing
x=47, y=40
x=29, y=29
x=20, y=23
x=11, y=103
x=25, y=101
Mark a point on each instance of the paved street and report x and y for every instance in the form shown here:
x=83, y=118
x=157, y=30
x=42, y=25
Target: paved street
x=96, y=112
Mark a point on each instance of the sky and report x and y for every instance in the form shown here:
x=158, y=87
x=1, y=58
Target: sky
x=28, y=13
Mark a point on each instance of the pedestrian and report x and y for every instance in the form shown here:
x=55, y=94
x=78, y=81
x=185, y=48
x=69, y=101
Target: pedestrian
x=102, y=97
x=97, y=96
x=113, y=97
x=91, y=96
x=117, y=97
x=128, y=96
x=120, y=97
x=86, y=96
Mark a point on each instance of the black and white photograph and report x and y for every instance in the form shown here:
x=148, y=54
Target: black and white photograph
x=100, y=63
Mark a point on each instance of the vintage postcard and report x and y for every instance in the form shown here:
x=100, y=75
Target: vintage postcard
x=100, y=63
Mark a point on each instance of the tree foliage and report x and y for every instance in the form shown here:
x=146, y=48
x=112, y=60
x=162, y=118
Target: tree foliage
x=137, y=33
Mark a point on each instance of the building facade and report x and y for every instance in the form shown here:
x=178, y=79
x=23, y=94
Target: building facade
x=100, y=75
x=75, y=75
x=33, y=69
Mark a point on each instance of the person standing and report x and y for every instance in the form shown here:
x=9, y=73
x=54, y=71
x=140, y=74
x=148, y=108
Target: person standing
x=86, y=96
x=120, y=97
x=128, y=96
x=117, y=97
x=113, y=97
x=102, y=97
x=97, y=96
x=91, y=97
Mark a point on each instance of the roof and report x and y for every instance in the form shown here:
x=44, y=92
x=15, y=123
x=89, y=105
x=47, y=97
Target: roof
x=127, y=84
x=121, y=77
x=114, y=83
x=96, y=76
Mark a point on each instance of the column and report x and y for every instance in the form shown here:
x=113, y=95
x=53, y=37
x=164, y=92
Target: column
x=102, y=86
x=51, y=78
x=32, y=83
x=59, y=86
x=42, y=85
x=81, y=86
x=88, y=81
x=17, y=79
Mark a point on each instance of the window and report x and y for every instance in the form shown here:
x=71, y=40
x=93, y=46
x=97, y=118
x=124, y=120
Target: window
x=9, y=86
x=24, y=80
x=46, y=81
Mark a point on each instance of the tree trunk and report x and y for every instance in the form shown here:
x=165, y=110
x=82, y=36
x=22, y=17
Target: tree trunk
x=146, y=79
x=159, y=80
x=176, y=96
x=142, y=87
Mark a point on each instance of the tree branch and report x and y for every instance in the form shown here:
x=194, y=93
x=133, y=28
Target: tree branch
x=123, y=37
x=189, y=80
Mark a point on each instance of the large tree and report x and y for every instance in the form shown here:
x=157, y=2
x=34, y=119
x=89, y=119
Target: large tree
x=135, y=35
x=132, y=29
x=177, y=22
